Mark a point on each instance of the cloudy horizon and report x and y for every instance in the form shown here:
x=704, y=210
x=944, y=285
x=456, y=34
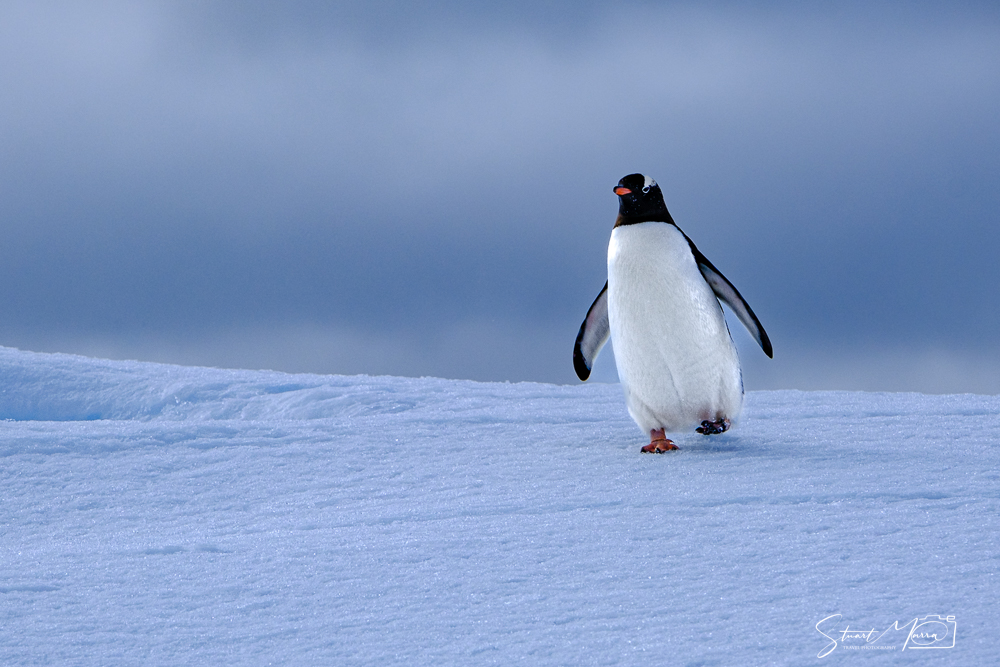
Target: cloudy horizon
x=427, y=190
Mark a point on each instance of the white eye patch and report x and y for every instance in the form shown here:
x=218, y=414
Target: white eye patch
x=647, y=183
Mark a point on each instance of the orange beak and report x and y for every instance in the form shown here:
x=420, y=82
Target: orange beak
x=622, y=190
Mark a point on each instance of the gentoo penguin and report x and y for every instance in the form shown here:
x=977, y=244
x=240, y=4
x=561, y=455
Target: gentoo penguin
x=676, y=360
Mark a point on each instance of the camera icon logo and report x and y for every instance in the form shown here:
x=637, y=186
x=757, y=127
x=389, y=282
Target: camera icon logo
x=932, y=631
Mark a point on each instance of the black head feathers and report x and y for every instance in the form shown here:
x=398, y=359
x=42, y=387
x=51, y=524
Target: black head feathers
x=640, y=200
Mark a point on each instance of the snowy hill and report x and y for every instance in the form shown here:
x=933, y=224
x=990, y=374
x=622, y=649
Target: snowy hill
x=157, y=515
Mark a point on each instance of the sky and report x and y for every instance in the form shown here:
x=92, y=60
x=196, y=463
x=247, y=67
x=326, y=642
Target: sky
x=426, y=190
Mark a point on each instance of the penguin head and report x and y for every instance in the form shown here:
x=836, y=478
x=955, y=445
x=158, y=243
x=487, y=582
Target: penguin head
x=640, y=200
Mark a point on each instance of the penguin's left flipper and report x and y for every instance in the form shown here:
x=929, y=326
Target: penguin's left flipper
x=731, y=296
x=594, y=333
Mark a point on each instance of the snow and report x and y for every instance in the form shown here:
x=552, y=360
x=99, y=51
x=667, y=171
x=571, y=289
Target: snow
x=156, y=514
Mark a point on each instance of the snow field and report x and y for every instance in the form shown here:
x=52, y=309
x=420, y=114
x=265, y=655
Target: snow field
x=156, y=515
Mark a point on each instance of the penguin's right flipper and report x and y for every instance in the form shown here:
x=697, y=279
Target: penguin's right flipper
x=594, y=333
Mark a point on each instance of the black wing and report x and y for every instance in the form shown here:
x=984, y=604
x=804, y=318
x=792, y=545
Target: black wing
x=732, y=298
x=594, y=333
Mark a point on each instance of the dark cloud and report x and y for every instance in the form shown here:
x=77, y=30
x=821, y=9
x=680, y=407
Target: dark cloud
x=428, y=188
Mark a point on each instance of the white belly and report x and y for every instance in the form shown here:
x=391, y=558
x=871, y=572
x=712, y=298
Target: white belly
x=676, y=360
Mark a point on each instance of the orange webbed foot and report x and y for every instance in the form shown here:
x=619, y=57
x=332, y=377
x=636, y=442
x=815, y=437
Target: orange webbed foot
x=658, y=443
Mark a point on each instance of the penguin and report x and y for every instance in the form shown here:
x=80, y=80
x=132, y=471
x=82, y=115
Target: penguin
x=661, y=308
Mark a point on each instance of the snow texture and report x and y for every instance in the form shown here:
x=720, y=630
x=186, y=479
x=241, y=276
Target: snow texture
x=165, y=515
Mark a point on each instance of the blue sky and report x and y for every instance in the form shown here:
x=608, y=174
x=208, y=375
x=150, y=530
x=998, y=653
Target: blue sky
x=426, y=190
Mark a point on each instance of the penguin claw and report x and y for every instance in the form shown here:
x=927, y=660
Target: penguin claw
x=714, y=428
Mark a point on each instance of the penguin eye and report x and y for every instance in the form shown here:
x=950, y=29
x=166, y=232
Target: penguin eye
x=645, y=189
